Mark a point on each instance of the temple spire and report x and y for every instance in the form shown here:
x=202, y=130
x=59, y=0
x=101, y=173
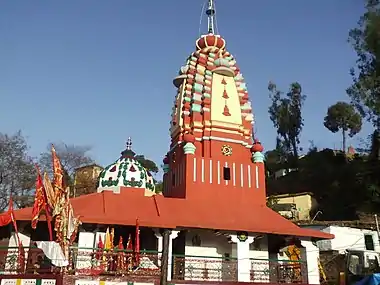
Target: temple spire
x=210, y=12
x=129, y=143
x=128, y=152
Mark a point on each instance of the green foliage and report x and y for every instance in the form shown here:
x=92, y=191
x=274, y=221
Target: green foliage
x=159, y=187
x=365, y=39
x=147, y=163
x=276, y=159
x=343, y=117
x=341, y=187
x=285, y=113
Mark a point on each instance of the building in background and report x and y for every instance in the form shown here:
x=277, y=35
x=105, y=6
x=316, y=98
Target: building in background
x=295, y=207
x=86, y=179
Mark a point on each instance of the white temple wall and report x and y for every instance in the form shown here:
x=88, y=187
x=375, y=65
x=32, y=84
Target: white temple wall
x=205, y=251
x=210, y=245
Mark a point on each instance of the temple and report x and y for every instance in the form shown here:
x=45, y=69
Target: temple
x=213, y=201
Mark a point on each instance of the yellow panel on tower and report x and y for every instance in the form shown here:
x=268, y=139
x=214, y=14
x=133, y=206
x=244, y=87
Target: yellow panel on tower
x=225, y=102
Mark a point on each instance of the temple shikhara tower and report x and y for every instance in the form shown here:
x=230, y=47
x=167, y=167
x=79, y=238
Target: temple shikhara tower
x=210, y=223
x=212, y=153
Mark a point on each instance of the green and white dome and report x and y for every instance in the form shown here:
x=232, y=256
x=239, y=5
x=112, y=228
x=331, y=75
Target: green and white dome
x=125, y=172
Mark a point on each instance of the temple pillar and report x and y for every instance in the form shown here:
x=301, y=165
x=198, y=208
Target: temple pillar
x=243, y=241
x=311, y=269
x=159, y=245
x=173, y=235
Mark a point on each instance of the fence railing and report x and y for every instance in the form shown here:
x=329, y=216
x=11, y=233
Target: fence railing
x=278, y=271
x=226, y=269
x=90, y=261
x=199, y=268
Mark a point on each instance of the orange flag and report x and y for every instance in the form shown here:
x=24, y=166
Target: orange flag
x=58, y=172
x=49, y=190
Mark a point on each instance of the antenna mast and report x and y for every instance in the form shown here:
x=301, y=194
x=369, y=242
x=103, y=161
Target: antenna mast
x=210, y=12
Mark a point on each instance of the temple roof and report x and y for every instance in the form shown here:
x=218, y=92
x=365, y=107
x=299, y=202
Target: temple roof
x=158, y=211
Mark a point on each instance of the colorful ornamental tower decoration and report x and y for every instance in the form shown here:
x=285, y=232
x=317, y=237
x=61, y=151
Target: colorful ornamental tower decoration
x=211, y=126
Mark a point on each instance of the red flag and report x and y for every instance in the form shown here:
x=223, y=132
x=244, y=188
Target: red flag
x=41, y=203
x=6, y=218
x=39, y=200
x=137, y=243
x=100, y=247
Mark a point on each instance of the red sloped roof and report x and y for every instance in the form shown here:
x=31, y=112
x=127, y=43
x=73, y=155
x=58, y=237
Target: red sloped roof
x=162, y=212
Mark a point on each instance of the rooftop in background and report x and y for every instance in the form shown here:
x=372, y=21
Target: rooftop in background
x=89, y=166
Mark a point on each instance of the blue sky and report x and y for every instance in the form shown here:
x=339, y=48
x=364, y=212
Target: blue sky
x=95, y=72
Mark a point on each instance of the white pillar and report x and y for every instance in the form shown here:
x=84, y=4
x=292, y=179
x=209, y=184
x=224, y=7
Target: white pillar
x=244, y=264
x=312, y=258
x=173, y=235
x=159, y=246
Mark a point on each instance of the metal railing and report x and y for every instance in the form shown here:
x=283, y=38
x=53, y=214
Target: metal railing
x=202, y=268
x=146, y=264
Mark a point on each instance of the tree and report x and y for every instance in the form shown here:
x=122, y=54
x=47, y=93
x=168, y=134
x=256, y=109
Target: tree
x=148, y=164
x=365, y=39
x=159, y=187
x=285, y=113
x=71, y=157
x=343, y=116
x=17, y=171
x=276, y=159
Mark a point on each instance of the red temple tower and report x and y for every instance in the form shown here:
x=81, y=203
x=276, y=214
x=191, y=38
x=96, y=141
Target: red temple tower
x=212, y=152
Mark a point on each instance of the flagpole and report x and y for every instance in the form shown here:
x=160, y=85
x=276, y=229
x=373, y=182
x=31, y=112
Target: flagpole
x=21, y=252
x=165, y=257
x=48, y=220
